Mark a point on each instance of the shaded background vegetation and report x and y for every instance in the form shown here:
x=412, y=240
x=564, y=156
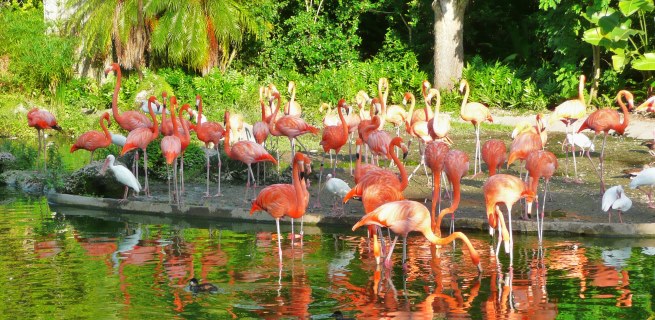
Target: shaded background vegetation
x=520, y=55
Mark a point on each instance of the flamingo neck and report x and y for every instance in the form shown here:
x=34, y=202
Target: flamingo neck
x=263, y=105
x=272, y=128
x=104, y=128
x=581, y=89
x=226, y=143
x=291, y=100
x=444, y=241
x=199, y=117
x=626, y=118
x=183, y=123
x=456, y=194
x=437, y=106
x=466, y=94
x=155, y=125
x=114, y=98
x=296, y=181
x=344, y=124
x=403, y=173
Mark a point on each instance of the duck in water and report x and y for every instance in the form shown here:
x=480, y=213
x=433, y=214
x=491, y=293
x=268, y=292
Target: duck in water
x=196, y=287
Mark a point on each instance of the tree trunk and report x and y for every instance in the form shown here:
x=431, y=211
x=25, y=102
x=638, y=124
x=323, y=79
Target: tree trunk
x=596, y=74
x=448, y=42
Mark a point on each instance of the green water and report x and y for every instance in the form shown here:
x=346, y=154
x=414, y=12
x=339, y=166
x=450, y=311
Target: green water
x=68, y=263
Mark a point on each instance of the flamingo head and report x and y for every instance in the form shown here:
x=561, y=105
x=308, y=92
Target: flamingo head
x=462, y=86
x=198, y=101
x=425, y=86
x=342, y=104
x=113, y=67
x=291, y=86
x=376, y=105
x=513, y=156
x=407, y=97
x=648, y=105
x=107, y=117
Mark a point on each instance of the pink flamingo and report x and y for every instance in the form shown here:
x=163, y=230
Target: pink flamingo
x=171, y=148
x=92, y=140
x=41, y=120
x=289, y=125
x=456, y=165
x=247, y=152
x=209, y=132
x=140, y=138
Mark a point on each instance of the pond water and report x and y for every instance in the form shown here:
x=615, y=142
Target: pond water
x=58, y=262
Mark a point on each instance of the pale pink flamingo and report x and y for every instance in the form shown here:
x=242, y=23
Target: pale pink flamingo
x=475, y=113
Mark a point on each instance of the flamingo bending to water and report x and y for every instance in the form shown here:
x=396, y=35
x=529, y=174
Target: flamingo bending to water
x=92, y=140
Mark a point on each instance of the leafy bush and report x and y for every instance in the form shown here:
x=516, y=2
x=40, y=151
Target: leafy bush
x=25, y=155
x=37, y=62
x=499, y=86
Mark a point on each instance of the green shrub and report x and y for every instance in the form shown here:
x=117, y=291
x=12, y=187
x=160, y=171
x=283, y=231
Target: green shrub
x=499, y=86
x=25, y=155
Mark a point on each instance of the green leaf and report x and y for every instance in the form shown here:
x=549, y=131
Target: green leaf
x=618, y=62
x=594, y=15
x=645, y=63
x=629, y=7
x=609, y=22
x=592, y=36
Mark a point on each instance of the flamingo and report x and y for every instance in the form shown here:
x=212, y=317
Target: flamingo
x=540, y=163
x=353, y=120
x=569, y=112
x=171, y=148
x=41, y=120
x=475, y=113
x=380, y=186
x=395, y=114
x=330, y=119
x=615, y=198
x=128, y=120
x=456, y=165
x=166, y=126
x=140, y=138
x=494, y=154
x=260, y=128
x=645, y=178
x=290, y=125
x=604, y=120
x=376, y=139
x=522, y=145
x=122, y=174
x=417, y=128
x=423, y=114
x=210, y=132
x=539, y=128
x=334, y=138
x=92, y=140
x=282, y=199
x=292, y=107
x=247, y=152
x=435, y=155
x=405, y=216
x=507, y=189
x=439, y=125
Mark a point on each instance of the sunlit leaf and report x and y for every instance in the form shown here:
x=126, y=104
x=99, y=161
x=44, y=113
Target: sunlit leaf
x=647, y=62
x=609, y=22
x=629, y=7
x=618, y=62
x=592, y=36
x=594, y=15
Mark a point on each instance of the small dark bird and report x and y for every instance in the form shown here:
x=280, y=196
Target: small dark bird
x=339, y=316
x=651, y=146
x=196, y=287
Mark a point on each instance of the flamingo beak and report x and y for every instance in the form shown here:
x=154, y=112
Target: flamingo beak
x=405, y=155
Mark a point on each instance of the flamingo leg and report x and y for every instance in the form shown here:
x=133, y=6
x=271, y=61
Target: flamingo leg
x=279, y=237
x=176, y=191
x=350, y=152
x=145, y=168
x=602, y=170
x=405, y=252
x=220, y=164
x=317, y=203
x=387, y=260
x=207, y=161
x=293, y=233
x=511, y=237
x=182, y=173
x=91, y=159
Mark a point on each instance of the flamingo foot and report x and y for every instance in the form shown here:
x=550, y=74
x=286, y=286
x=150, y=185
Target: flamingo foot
x=387, y=263
x=218, y=194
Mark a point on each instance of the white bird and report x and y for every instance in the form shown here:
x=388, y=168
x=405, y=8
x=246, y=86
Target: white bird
x=615, y=198
x=339, y=189
x=581, y=141
x=122, y=174
x=118, y=139
x=156, y=107
x=645, y=178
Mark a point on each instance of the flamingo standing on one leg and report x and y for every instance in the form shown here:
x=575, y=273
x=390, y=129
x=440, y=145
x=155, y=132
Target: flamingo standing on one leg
x=540, y=163
x=475, y=113
x=41, y=120
x=615, y=198
x=92, y=140
x=604, y=120
x=140, y=138
x=456, y=165
x=569, y=112
x=334, y=138
x=503, y=188
x=283, y=199
x=210, y=132
x=494, y=154
x=405, y=216
x=435, y=155
x=247, y=152
x=122, y=174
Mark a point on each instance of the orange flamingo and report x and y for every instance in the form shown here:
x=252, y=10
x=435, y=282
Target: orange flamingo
x=166, y=126
x=140, y=138
x=569, y=112
x=184, y=135
x=435, y=156
x=380, y=186
x=405, y=216
x=522, y=145
x=540, y=163
x=92, y=140
x=290, y=125
x=376, y=139
x=210, y=132
x=604, y=120
x=456, y=165
x=494, y=154
x=171, y=148
x=247, y=152
x=361, y=168
x=503, y=188
x=419, y=129
x=475, y=113
x=334, y=138
x=282, y=199
x=41, y=120
x=128, y=120
x=260, y=128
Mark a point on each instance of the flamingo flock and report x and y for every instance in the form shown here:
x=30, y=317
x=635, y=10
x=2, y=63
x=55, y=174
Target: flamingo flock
x=380, y=189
